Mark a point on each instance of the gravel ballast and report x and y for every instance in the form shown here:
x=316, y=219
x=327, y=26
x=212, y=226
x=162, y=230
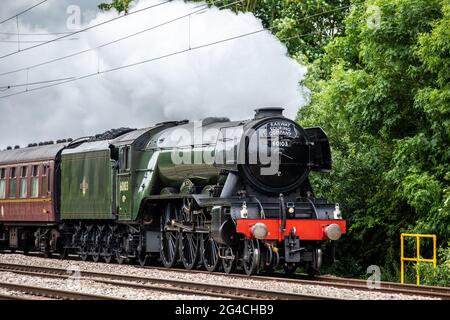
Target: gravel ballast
x=93, y=287
x=12, y=293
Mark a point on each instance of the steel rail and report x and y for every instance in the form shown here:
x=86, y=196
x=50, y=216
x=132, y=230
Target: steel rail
x=158, y=284
x=389, y=287
x=52, y=293
x=11, y=297
x=349, y=283
x=338, y=282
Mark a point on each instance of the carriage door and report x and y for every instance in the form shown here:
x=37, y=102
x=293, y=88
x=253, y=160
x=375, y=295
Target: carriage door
x=124, y=183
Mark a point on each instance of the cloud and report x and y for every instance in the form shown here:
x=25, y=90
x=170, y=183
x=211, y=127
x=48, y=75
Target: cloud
x=229, y=79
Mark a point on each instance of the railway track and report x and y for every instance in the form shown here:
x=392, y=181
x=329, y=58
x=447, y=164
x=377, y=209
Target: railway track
x=164, y=285
x=388, y=287
x=11, y=297
x=298, y=279
x=47, y=293
x=338, y=282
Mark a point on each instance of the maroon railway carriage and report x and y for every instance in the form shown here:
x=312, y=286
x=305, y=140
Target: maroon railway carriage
x=28, y=194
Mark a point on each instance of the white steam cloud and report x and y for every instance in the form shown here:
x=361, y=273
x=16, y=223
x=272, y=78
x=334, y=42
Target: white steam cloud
x=228, y=79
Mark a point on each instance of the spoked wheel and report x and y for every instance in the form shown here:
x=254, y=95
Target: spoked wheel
x=97, y=246
x=210, y=250
x=143, y=259
x=120, y=256
x=84, y=254
x=107, y=254
x=96, y=250
x=96, y=255
x=169, y=237
x=84, y=249
x=229, y=260
x=189, y=249
x=290, y=267
x=107, y=251
x=252, y=256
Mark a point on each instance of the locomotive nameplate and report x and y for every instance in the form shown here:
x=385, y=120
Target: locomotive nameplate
x=281, y=128
x=279, y=133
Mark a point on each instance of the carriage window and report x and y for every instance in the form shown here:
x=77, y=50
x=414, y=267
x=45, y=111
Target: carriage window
x=2, y=183
x=12, y=183
x=23, y=182
x=44, y=181
x=49, y=180
x=35, y=182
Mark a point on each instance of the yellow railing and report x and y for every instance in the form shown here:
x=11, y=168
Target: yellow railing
x=417, y=259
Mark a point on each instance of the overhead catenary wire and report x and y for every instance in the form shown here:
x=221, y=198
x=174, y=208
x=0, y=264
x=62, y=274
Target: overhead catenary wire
x=5, y=87
x=85, y=29
x=140, y=32
x=34, y=83
x=52, y=33
x=98, y=69
x=99, y=72
x=143, y=62
x=34, y=34
x=137, y=63
x=33, y=41
x=22, y=12
x=118, y=39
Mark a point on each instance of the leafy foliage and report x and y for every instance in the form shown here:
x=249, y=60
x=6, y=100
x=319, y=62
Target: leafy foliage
x=439, y=276
x=305, y=26
x=384, y=101
x=119, y=5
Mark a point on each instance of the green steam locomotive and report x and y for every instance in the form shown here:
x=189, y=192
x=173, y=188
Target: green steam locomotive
x=214, y=193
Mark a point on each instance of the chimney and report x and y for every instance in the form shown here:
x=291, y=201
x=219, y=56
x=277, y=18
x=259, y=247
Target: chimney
x=268, y=112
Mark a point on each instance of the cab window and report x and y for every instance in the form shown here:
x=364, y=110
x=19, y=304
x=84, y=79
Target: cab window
x=124, y=158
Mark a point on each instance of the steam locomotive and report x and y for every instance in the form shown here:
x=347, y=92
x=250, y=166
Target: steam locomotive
x=214, y=193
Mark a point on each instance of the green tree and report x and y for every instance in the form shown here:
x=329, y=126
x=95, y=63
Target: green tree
x=305, y=26
x=119, y=5
x=382, y=95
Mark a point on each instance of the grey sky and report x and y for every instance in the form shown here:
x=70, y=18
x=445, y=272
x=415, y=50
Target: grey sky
x=229, y=79
x=51, y=15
